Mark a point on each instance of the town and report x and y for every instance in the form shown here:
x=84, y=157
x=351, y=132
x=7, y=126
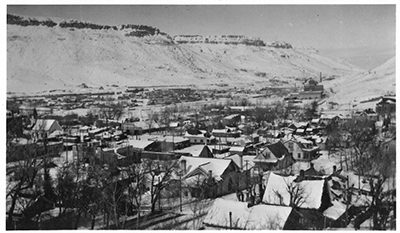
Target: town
x=260, y=158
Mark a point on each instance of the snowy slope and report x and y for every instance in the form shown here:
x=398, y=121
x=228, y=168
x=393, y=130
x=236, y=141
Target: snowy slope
x=43, y=58
x=364, y=86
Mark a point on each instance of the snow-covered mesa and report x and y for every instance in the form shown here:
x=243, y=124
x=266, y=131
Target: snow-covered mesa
x=46, y=58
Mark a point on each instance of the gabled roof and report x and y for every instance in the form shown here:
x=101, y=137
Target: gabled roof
x=276, y=191
x=278, y=152
x=43, y=124
x=278, y=149
x=217, y=166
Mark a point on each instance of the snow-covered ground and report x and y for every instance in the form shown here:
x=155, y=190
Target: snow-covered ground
x=350, y=90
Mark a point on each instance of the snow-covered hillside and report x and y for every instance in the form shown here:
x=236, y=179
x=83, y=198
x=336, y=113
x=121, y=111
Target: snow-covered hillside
x=356, y=90
x=45, y=58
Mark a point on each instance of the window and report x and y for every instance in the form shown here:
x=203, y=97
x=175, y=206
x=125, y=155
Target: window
x=290, y=145
x=299, y=155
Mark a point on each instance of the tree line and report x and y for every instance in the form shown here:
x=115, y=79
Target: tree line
x=139, y=30
x=18, y=20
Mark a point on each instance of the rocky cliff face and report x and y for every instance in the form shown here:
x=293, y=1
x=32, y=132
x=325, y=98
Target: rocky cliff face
x=44, y=54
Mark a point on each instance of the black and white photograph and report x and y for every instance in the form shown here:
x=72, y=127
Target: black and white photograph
x=200, y=116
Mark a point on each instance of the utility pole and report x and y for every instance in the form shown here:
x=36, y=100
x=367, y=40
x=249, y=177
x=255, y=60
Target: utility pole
x=159, y=199
x=230, y=220
x=180, y=191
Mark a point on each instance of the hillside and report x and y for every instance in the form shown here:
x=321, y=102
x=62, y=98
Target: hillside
x=45, y=58
x=359, y=88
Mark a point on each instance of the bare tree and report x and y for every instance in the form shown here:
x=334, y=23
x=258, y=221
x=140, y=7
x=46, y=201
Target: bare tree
x=160, y=175
x=137, y=188
x=23, y=176
x=111, y=110
x=297, y=194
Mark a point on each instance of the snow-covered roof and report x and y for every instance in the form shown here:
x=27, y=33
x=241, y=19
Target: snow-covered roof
x=237, y=148
x=335, y=211
x=200, y=135
x=315, y=121
x=218, y=215
x=219, y=131
x=174, y=139
x=194, y=150
x=268, y=217
x=235, y=158
x=43, y=124
x=217, y=166
x=302, y=140
x=56, y=133
x=276, y=191
x=141, y=144
x=259, y=217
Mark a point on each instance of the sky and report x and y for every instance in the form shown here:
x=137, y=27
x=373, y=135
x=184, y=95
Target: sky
x=317, y=26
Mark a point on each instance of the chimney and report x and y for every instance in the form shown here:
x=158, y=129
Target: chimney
x=183, y=166
x=320, y=77
x=301, y=176
x=210, y=173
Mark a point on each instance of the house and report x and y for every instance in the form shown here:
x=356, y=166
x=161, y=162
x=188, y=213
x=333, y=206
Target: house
x=311, y=193
x=312, y=85
x=223, y=173
x=229, y=214
x=274, y=156
x=199, y=137
x=300, y=148
x=45, y=126
x=143, y=145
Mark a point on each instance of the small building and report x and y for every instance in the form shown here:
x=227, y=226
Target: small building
x=274, y=156
x=45, y=126
x=199, y=137
x=301, y=149
x=223, y=173
x=315, y=193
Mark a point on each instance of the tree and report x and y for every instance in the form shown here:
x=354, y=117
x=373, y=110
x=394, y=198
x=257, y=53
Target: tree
x=137, y=188
x=23, y=176
x=377, y=165
x=111, y=110
x=311, y=110
x=297, y=194
x=361, y=137
x=65, y=189
x=160, y=173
